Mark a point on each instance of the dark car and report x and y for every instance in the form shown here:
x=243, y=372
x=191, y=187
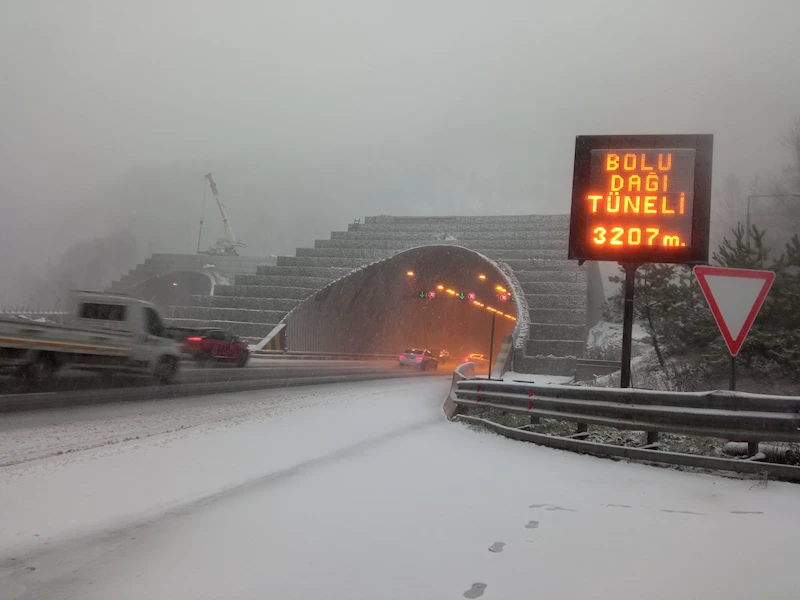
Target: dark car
x=418, y=358
x=205, y=345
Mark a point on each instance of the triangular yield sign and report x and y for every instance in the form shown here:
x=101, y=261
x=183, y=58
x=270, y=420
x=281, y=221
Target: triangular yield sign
x=735, y=296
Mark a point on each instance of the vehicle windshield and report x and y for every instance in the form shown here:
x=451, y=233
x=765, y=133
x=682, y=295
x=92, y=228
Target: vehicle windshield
x=221, y=220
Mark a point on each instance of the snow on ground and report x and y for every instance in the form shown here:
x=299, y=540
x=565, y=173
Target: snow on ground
x=537, y=379
x=112, y=470
x=606, y=335
x=365, y=491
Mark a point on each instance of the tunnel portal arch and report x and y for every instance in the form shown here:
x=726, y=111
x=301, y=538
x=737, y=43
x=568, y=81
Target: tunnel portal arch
x=377, y=309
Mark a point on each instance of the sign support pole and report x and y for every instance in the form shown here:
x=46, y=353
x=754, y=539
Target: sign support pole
x=627, y=324
x=733, y=372
x=491, y=346
x=627, y=337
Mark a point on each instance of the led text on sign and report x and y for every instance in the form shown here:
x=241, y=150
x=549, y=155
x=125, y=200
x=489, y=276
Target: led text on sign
x=641, y=197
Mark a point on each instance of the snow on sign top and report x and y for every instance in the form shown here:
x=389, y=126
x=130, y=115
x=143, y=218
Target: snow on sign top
x=735, y=296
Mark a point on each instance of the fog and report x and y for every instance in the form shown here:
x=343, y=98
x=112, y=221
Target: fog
x=311, y=114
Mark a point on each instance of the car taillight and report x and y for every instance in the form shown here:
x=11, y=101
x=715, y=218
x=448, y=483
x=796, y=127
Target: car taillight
x=402, y=356
x=194, y=339
x=418, y=358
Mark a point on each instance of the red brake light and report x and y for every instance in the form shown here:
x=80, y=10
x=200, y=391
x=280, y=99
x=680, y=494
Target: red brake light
x=402, y=356
x=194, y=339
x=418, y=358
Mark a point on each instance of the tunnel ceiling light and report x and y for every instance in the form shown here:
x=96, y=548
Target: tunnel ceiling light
x=410, y=273
x=174, y=283
x=440, y=287
x=481, y=276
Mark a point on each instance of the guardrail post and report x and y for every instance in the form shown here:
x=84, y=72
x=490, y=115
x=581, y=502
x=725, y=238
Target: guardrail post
x=752, y=449
x=582, y=428
x=652, y=438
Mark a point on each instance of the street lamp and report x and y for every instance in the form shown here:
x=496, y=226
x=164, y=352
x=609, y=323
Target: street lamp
x=749, y=198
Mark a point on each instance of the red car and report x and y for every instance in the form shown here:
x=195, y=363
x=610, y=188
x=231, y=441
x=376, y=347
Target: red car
x=204, y=345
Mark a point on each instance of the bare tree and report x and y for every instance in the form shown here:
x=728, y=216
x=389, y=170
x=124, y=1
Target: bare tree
x=790, y=183
x=727, y=209
x=791, y=141
x=780, y=212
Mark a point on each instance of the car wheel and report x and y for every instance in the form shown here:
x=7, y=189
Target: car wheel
x=242, y=359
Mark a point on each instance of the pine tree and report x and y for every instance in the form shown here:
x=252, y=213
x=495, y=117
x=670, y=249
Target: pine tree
x=671, y=307
x=739, y=254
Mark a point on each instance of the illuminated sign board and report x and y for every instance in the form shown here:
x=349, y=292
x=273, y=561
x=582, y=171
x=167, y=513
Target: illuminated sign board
x=638, y=199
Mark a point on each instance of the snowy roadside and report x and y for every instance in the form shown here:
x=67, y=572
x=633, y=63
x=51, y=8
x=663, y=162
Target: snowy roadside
x=439, y=510
x=605, y=339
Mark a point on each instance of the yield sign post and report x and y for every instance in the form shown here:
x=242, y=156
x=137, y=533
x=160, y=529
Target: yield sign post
x=734, y=296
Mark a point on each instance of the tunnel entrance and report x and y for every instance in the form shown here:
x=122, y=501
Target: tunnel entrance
x=431, y=297
x=174, y=288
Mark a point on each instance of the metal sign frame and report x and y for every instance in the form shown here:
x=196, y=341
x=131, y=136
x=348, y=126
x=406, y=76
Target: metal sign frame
x=694, y=253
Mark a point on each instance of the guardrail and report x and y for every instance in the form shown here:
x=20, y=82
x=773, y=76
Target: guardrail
x=727, y=415
x=299, y=355
x=461, y=372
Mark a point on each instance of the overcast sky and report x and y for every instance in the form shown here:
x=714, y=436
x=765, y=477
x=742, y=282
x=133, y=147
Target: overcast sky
x=94, y=88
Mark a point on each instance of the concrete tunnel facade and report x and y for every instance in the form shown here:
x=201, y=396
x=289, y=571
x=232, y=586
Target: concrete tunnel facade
x=385, y=307
x=558, y=302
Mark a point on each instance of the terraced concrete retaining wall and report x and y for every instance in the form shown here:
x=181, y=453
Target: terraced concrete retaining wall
x=563, y=299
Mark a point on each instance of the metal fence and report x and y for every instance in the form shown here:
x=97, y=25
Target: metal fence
x=735, y=416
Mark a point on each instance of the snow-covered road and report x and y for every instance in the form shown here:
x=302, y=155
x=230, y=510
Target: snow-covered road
x=362, y=491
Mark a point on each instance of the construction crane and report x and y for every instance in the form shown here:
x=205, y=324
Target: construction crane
x=229, y=244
